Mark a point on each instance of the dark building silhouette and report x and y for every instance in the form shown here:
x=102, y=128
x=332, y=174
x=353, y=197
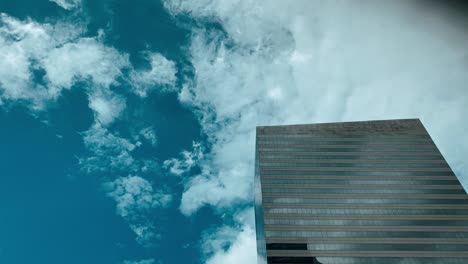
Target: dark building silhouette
x=357, y=192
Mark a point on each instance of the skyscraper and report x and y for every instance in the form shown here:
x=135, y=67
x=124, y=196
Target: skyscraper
x=357, y=192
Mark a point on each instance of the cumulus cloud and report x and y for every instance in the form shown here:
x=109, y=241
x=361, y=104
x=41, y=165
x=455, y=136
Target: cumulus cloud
x=67, y=4
x=305, y=67
x=135, y=199
x=310, y=61
x=162, y=74
x=230, y=245
x=188, y=160
x=106, y=106
x=134, y=194
x=109, y=153
x=87, y=58
x=149, y=135
x=145, y=261
x=56, y=49
x=23, y=46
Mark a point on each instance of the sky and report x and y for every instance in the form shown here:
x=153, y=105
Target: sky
x=127, y=127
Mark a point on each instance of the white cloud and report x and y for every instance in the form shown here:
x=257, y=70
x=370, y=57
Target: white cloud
x=145, y=261
x=110, y=153
x=231, y=245
x=134, y=194
x=86, y=58
x=67, y=4
x=136, y=198
x=305, y=65
x=57, y=49
x=162, y=74
x=149, y=134
x=188, y=160
x=106, y=106
x=310, y=61
x=23, y=45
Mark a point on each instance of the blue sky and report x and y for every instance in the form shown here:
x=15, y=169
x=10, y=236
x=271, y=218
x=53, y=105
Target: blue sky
x=127, y=127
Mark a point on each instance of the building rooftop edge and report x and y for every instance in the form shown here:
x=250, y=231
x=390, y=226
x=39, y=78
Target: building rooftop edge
x=344, y=122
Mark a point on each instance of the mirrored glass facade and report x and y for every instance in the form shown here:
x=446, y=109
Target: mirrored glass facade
x=357, y=192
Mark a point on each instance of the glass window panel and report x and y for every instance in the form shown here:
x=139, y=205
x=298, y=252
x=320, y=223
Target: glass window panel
x=346, y=142
x=363, y=191
x=350, y=149
x=369, y=260
x=367, y=247
x=266, y=165
x=355, y=173
x=345, y=181
x=365, y=222
x=304, y=155
x=363, y=201
x=364, y=211
x=365, y=234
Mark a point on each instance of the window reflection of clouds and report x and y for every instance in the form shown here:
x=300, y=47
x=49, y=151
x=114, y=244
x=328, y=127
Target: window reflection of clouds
x=342, y=181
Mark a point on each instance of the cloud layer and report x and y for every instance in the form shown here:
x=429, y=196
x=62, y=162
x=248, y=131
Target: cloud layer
x=135, y=200
x=310, y=61
x=39, y=60
x=67, y=4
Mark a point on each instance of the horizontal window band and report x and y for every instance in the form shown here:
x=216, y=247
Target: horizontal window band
x=364, y=211
x=359, y=222
x=291, y=145
x=353, y=177
x=357, y=181
x=345, y=161
x=262, y=168
x=370, y=240
x=286, y=246
x=345, y=154
x=376, y=253
x=377, y=166
x=352, y=192
x=331, y=150
x=363, y=246
x=390, y=260
x=366, y=228
x=377, y=143
x=365, y=234
x=268, y=215
x=361, y=172
x=365, y=206
x=361, y=186
x=343, y=141
x=384, y=138
x=421, y=134
x=367, y=201
x=285, y=145
x=370, y=196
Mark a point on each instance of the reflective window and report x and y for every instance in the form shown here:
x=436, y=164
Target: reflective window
x=350, y=149
x=364, y=211
x=407, y=260
x=364, y=234
x=398, y=156
x=362, y=191
x=355, y=173
x=267, y=165
x=422, y=247
x=363, y=201
x=345, y=181
x=364, y=222
x=346, y=142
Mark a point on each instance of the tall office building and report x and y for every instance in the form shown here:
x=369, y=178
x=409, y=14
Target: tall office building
x=357, y=192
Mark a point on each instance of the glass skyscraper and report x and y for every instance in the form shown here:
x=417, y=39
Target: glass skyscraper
x=357, y=192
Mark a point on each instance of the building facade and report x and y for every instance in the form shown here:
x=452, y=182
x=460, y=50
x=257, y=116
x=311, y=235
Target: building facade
x=357, y=192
